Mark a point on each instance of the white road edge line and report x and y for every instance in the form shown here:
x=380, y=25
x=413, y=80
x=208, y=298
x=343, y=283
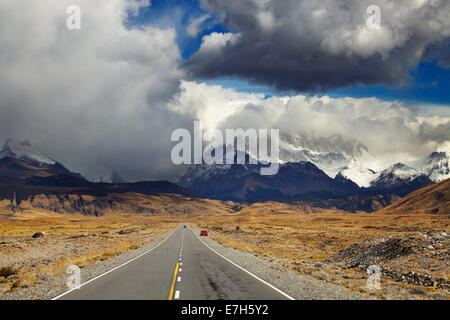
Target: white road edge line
x=123, y=264
x=177, y=294
x=236, y=265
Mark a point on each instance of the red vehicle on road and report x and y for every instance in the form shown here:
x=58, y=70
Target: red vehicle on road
x=204, y=233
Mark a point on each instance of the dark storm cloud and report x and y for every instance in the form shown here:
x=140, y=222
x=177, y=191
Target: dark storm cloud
x=107, y=98
x=318, y=45
x=94, y=99
x=439, y=133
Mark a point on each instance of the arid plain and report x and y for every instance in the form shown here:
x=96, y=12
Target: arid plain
x=411, y=246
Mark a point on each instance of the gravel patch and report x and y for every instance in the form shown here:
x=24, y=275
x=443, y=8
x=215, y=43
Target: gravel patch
x=49, y=287
x=298, y=286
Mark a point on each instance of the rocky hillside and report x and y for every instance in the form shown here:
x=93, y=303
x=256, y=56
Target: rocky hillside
x=244, y=183
x=111, y=205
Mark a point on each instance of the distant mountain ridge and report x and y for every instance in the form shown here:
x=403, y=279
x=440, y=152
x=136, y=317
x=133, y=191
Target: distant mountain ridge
x=332, y=155
x=335, y=155
x=294, y=181
x=245, y=183
x=339, y=158
x=400, y=179
x=25, y=172
x=301, y=180
x=24, y=151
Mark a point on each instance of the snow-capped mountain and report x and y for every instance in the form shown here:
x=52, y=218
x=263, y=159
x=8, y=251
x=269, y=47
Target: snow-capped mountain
x=335, y=155
x=400, y=179
x=330, y=163
x=24, y=151
x=332, y=144
x=341, y=159
x=436, y=166
x=241, y=182
x=332, y=155
x=395, y=174
x=359, y=174
x=26, y=171
x=204, y=172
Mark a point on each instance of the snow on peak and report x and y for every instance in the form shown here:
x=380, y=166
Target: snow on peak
x=24, y=151
x=396, y=173
x=437, y=166
x=403, y=171
x=359, y=174
x=335, y=144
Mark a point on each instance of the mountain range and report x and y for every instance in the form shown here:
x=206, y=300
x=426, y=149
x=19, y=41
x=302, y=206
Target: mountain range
x=26, y=171
x=296, y=181
x=335, y=155
x=315, y=169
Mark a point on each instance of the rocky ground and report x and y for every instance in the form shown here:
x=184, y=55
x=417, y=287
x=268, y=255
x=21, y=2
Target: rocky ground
x=409, y=264
x=298, y=286
x=417, y=259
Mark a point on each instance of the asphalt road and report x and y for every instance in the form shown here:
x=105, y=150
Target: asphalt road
x=182, y=267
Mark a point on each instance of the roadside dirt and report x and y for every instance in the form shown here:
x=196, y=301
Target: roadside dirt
x=26, y=261
x=411, y=252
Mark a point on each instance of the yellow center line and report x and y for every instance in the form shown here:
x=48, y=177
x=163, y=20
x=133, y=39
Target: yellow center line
x=173, y=282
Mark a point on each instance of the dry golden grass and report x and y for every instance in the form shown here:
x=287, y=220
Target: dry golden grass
x=296, y=236
x=70, y=240
x=129, y=220
x=299, y=240
x=91, y=257
x=434, y=199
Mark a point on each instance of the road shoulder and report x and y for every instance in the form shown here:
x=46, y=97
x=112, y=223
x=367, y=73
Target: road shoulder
x=51, y=287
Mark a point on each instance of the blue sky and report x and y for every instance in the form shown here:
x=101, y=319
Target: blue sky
x=427, y=84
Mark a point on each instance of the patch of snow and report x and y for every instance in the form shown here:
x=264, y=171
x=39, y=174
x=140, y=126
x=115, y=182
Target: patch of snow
x=396, y=174
x=24, y=151
x=437, y=166
x=359, y=174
